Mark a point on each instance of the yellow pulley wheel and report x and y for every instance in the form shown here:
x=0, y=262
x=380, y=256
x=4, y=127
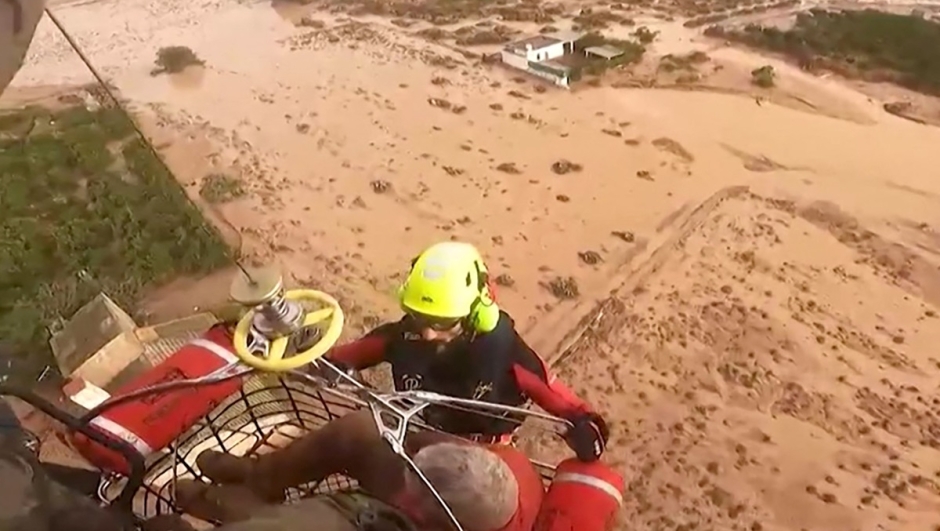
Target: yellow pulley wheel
x=275, y=360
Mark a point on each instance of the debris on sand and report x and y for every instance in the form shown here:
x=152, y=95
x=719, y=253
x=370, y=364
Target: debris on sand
x=439, y=103
x=612, y=132
x=496, y=106
x=440, y=81
x=517, y=116
x=477, y=35
x=563, y=288
x=433, y=34
x=590, y=257
x=645, y=175
x=380, y=187
x=755, y=163
x=563, y=166
x=452, y=171
x=671, y=146
x=504, y=280
x=904, y=109
x=309, y=22
x=624, y=235
x=509, y=167
x=517, y=94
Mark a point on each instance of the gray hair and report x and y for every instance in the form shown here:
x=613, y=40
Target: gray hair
x=477, y=485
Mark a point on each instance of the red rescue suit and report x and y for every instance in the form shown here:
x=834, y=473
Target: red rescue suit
x=152, y=422
x=582, y=497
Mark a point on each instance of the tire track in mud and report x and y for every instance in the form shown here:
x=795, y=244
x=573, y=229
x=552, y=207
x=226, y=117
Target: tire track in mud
x=557, y=341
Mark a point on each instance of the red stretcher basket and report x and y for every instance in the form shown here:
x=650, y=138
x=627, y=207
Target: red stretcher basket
x=266, y=414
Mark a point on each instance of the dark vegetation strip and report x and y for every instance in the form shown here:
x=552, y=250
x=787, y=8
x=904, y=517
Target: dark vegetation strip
x=870, y=45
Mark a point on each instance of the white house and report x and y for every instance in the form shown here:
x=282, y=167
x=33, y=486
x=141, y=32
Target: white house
x=540, y=50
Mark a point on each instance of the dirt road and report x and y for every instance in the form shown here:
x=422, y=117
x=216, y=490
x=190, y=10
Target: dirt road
x=761, y=283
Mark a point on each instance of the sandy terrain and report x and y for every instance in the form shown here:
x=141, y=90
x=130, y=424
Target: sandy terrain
x=757, y=386
x=757, y=284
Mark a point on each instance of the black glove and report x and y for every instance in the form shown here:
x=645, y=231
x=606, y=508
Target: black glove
x=588, y=436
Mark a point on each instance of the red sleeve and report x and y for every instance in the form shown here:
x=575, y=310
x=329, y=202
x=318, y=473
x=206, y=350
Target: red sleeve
x=362, y=353
x=549, y=393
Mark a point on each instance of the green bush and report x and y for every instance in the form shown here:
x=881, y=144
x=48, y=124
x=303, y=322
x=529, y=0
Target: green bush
x=85, y=207
x=764, y=76
x=644, y=36
x=221, y=188
x=175, y=59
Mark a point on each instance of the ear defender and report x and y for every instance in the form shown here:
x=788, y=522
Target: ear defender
x=484, y=313
x=484, y=317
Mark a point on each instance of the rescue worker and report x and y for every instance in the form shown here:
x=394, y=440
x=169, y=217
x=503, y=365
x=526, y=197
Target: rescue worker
x=488, y=487
x=454, y=340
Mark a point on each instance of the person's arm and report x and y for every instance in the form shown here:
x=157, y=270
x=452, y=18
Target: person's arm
x=360, y=354
x=365, y=352
x=588, y=433
x=537, y=382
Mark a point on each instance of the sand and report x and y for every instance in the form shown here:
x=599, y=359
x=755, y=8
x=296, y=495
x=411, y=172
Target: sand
x=747, y=285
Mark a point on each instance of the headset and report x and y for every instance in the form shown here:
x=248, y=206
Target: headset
x=484, y=312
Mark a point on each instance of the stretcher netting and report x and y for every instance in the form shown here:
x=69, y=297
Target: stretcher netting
x=266, y=414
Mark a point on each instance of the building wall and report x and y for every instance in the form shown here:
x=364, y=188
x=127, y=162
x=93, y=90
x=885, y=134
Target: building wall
x=519, y=62
x=558, y=80
x=515, y=61
x=546, y=53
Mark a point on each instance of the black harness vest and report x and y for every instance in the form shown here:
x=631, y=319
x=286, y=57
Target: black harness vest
x=477, y=367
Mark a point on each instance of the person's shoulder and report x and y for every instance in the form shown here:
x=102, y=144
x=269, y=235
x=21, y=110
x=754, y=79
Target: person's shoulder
x=506, y=320
x=505, y=326
x=517, y=461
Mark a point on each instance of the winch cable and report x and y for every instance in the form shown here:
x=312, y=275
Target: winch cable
x=150, y=147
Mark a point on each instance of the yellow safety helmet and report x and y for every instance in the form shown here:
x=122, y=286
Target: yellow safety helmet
x=448, y=281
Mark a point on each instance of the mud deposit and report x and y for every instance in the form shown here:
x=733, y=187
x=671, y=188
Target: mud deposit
x=775, y=373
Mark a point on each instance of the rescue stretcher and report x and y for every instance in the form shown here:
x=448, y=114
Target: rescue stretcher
x=253, y=397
